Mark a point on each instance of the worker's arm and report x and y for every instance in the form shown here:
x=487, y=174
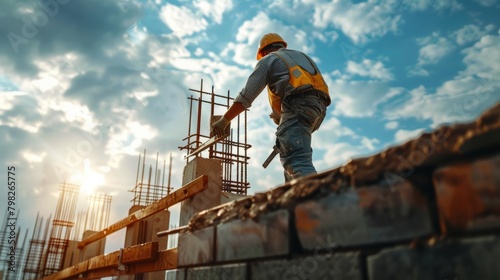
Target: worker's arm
x=234, y=111
x=219, y=126
x=256, y=82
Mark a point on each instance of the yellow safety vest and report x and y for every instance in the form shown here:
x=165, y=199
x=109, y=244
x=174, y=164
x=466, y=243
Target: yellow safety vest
x=300, y=80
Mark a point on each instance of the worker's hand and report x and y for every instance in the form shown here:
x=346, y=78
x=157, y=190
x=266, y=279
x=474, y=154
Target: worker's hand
x=219, y=127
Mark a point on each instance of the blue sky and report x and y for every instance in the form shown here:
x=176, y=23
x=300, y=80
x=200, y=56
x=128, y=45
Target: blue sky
x=73, y=73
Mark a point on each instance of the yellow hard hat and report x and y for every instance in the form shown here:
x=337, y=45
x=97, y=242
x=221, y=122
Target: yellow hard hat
x=268, y=39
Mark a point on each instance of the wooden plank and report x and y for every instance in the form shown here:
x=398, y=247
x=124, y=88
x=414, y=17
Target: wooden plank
x=101, y=273
x=67, y=273
x=190, y=189
x=143, y=252
x=166, y=260
x=102, y=261
x=76, y=269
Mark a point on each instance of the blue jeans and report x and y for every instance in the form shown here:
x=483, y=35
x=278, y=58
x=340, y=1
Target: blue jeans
x=301, y=115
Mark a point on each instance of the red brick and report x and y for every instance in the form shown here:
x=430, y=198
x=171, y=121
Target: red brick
x=269, y=236
x=363, y=216
x=468, y=195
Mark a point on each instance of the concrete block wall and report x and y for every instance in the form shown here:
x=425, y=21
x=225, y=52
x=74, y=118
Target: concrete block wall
x=428, y=209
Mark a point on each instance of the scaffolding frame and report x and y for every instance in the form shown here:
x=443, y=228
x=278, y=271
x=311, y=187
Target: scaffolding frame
x=61, y=229
x=232, y=151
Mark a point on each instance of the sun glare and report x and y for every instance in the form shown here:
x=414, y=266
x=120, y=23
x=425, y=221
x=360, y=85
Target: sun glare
x=89, y=180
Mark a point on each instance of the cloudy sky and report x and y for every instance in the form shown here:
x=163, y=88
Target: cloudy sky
x=85, y=86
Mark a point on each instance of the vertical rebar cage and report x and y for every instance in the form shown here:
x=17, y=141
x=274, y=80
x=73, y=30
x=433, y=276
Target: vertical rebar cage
x=61, y=229
x=33, y=263
x=146, y=193
x=232, y=151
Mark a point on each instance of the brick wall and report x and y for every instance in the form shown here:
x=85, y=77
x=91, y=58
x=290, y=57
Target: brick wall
x=427, y=209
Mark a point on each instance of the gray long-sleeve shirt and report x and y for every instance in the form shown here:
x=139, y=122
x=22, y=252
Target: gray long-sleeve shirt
x=271, y=71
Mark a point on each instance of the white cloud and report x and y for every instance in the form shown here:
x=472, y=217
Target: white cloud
x=369, y=68
x=33, y=157
x=198, y=52
x=467, y=34
x=288, y=9
x=334, y=144
x=457, y=100
x=128, y=138
x=221, y=74
x=359, y=21
x=434, y=48
x=75, y=114
x=330, y=131
x=403, y=134
x=20, y=122
x=214, y=9
x=8, y=98
x=182, y=20
x=333, y=35
x=359, y=98
x=244, y=50
x=44, y=122
x=370, y=144
x=265, y=182
x=54, y=109
x=391, y=125
x=340, y=153
x=320, y=36
x=480, y=57
x=417, y=71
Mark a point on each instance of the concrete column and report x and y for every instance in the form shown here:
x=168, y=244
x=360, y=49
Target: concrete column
x=208, y=198
x=93, y=249
x=132, y=233
x=72, y=255
x=145, y=231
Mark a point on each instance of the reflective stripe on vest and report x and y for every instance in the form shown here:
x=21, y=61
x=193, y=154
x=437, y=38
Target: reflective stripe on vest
x=301, y=80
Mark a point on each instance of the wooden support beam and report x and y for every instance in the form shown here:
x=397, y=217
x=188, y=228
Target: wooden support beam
x=108, y=260
x=165, y=260
x=136, y=259
x=190, y=189
x=70, y=272
x=146, y=252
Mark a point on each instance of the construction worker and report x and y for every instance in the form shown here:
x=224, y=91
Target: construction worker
x=298, y=96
